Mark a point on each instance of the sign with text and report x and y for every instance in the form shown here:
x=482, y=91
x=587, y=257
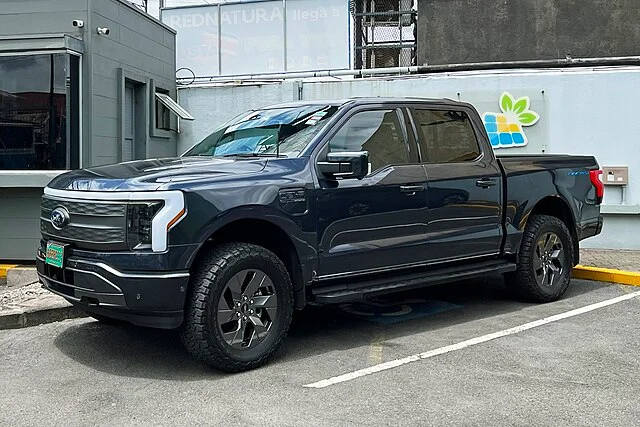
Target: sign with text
x=261, y=37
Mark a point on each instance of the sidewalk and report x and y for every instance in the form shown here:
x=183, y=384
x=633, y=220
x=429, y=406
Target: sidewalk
x=611, y=258
x=31, y=305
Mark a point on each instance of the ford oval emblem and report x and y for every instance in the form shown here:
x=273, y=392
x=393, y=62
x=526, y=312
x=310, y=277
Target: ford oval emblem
x=59, y=218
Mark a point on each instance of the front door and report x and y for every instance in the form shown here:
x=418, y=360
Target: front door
x=465, y=187
x=378, y=222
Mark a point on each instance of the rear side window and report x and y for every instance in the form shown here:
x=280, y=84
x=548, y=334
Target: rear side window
x=446, y=136
x=376, y=131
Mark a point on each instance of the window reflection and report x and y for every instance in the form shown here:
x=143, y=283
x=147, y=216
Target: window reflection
x=33, y=111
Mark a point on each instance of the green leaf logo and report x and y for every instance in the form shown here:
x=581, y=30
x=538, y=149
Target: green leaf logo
x=529, y=118
x=507, y=129
x=506, y=102
x=521, y=105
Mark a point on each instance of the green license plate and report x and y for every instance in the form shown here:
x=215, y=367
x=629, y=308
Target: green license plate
x=55, y=254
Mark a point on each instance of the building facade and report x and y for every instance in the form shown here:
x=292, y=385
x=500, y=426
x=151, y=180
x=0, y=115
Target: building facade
x=78, y=85
x=472, y=31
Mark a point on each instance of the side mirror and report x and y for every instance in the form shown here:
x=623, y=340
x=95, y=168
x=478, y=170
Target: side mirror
x=346, y=165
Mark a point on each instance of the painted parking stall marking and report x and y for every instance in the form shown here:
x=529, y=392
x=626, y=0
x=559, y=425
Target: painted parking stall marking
x=468, y=343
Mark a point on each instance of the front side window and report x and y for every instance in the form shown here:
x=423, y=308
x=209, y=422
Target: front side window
x=379, y=133
x=446, y=136
x=38, y=101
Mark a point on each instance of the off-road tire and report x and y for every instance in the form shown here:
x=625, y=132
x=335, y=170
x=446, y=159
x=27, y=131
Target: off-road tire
x=200, y=331
x=524, y=281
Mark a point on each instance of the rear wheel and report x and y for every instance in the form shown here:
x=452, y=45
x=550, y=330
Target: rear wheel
x=545, y=260
x=239, y=309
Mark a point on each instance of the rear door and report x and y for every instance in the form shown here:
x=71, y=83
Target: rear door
x=465, y=187
x=378, y=222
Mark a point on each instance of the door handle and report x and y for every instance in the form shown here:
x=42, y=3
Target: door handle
x=486, y=182
x=411, y=189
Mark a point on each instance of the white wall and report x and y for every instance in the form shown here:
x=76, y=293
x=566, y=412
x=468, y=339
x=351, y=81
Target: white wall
x=213, y=106
x=582, y=111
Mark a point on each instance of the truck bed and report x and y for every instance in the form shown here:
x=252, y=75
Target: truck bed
x=513, y=162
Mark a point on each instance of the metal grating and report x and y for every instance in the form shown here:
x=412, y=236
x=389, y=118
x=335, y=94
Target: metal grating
x=385, y=33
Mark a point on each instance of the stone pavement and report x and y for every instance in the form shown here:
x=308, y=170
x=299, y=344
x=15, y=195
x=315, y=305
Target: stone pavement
x=611, y=258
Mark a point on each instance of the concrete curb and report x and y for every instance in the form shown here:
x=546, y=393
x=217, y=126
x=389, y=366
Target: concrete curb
x=21, y=276
x=22, y=317
x=607, y=275
x=4, y=268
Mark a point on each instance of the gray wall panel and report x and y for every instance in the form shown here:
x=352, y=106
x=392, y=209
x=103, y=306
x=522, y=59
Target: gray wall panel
x=20, y=250
x=42, y=6
x=104, y=160
x=146, y=46
x=24, y=228
x=104, y=107
x=105, y=147
x=105, y=86
x=463, y=31
x=105, y=127
x=20, y=223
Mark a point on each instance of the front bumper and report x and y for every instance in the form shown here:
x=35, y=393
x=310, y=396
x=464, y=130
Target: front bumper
x=145, y=298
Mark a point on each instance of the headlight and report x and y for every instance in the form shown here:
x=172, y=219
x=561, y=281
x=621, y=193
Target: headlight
x=139, y=221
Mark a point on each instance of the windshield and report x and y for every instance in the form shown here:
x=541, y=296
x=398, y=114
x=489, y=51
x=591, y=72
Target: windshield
x=285, y=131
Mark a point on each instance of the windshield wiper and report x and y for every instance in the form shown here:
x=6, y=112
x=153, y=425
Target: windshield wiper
x=253, y=155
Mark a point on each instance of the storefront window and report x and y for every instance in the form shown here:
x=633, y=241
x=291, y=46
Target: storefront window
x=39, y=107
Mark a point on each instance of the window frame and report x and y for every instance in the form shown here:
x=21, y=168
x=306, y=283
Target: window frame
x=443, y=107
x=155, y=132
x=322, y=149
x=162, y=109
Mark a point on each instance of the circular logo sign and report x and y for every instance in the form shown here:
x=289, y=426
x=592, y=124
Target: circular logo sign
x=59, y=218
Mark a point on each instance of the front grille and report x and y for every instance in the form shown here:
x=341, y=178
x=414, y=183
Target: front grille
x=92, y=225
x=84, y=208
x=94, y=235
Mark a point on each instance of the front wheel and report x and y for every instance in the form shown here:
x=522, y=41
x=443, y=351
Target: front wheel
x=545, y=260
x=239, y=308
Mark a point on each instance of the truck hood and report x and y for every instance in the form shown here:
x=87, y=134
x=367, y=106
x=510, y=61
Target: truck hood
x=150, y=175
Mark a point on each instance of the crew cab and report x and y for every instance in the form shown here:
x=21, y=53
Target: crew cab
x=318, y=202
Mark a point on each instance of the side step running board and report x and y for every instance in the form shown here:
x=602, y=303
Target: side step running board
x=359, y=290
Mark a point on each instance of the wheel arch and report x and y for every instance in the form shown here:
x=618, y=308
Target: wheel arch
x=275, y=236
x=557, y=207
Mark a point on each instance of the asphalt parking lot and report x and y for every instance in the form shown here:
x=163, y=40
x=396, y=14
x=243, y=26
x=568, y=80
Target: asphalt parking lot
x=580, y=368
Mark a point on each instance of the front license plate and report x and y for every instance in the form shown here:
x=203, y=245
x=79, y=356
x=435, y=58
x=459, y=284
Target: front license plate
x=55, y=254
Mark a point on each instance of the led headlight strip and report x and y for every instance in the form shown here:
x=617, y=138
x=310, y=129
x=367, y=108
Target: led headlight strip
x=171, y=213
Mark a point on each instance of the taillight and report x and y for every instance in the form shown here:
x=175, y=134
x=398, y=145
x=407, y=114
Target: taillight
x=594, y=176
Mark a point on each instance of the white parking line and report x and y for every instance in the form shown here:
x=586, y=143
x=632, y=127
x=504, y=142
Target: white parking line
x=468, y=343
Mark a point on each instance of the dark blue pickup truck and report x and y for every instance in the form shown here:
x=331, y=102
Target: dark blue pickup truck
x=311, y=202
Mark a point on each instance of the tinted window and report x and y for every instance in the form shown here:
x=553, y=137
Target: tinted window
x=39, y=107
x=377, y=132
x=446, y=136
